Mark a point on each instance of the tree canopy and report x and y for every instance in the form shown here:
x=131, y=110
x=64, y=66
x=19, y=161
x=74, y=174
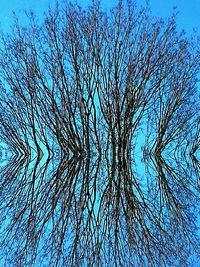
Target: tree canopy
x=100, y=111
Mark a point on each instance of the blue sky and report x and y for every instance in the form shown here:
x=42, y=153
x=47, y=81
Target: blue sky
x=188, y=18
x=189, y=12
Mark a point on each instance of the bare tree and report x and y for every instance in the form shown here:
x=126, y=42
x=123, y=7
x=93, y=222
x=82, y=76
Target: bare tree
x=80, y=95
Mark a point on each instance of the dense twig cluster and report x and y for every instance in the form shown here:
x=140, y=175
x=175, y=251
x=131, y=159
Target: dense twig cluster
x=100, y=112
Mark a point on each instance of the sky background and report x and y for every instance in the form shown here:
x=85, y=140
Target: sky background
x=188, y=17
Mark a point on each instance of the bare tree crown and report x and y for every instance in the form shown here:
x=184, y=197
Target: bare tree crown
x=100, y=111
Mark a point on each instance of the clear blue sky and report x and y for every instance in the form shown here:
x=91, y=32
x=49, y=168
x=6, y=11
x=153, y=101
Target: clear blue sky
x=188, y=18
x=189, y=12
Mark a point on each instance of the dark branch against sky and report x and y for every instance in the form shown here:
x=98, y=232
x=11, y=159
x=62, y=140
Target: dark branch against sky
x=188, y=18
x=100, y=114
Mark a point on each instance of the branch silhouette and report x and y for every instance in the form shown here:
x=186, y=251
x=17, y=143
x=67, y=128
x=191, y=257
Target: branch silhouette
x=100, y=112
